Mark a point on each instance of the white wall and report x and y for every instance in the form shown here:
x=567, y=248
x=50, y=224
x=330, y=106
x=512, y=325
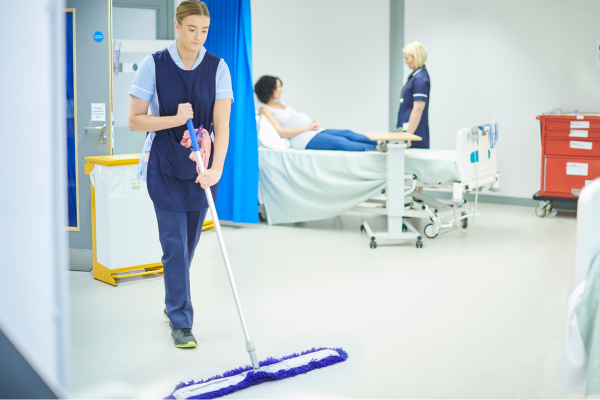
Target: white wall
x=33, y=238
x=514, y=59
x=332, y=56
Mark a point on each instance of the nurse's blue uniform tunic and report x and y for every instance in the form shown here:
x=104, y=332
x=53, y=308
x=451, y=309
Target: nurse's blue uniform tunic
x=416, y=89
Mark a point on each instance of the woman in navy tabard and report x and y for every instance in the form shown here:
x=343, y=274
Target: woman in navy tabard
x=180, y=82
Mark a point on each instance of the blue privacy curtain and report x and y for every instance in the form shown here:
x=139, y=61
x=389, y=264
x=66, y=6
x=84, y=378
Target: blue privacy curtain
x=229, y=37
x=70, y=92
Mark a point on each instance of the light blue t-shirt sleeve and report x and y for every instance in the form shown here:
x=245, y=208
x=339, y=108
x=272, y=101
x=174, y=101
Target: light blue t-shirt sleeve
x=144, y=83
x=224, y=88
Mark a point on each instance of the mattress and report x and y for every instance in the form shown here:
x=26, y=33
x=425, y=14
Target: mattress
x=307, y=185
x=431, y=166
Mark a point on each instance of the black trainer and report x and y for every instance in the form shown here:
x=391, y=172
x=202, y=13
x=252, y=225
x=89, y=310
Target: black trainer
x=166, y=314
x=183, y=338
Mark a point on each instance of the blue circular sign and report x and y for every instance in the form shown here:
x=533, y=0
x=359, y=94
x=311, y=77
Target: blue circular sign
x=98, y=36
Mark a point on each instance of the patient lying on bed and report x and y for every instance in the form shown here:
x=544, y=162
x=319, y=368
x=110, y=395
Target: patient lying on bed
x=303, y=132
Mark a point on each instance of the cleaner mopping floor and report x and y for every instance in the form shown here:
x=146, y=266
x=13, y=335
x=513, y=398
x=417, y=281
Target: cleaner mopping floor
x=186, y=84
x=268, y=370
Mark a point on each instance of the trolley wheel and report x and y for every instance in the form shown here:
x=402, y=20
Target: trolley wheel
x=261, y=218
x=549, y=206
x=428, y=231
x=404, y=228
x=419, y=244
x=362, y=228
x=465, y=221
x=373, y=244
x=540, y=210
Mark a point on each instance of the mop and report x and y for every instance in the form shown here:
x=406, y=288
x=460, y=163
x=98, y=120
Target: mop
x=268, y=370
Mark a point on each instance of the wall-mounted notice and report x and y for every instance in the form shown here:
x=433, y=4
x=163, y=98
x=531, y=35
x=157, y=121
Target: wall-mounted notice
x=574, y=168
x=598, y=54
x=98, y=112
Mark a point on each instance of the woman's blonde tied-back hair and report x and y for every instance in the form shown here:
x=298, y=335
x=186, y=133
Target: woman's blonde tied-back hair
x=191, y=7
x=417, y=51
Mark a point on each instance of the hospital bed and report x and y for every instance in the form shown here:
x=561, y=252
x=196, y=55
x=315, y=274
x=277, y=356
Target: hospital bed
x=305, y=185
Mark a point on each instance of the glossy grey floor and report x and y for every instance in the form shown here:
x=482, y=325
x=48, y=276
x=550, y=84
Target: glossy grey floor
x=475, y=315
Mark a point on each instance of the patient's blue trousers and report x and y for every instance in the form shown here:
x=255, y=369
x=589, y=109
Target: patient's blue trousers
x=179, y=233
x=335, y=139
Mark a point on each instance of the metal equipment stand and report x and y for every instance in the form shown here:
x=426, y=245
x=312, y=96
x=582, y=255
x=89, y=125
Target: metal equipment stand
x=398, y=229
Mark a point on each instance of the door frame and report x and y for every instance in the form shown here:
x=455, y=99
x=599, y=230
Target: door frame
x=111, y=124
x=76, y=228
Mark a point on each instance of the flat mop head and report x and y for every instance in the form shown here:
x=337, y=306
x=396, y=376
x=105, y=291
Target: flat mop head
x=270, y=369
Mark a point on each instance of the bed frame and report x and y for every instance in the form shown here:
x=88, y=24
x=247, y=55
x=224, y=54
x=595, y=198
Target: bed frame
x=404, y=201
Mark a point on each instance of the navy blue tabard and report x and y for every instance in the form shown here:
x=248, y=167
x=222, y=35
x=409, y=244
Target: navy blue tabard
x=417, y=88
x=171, y=174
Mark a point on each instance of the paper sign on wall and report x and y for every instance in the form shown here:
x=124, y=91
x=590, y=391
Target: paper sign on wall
x=580, y=124
x=577, y=133
x=581, y=145
x=98, y=112
x=574, y=168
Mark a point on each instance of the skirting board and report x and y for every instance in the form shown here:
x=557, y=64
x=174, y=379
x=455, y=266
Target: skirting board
x=80, y=259
x=489, y=198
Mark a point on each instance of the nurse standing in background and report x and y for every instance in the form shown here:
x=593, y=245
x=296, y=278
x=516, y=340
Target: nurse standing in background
x=414, y=99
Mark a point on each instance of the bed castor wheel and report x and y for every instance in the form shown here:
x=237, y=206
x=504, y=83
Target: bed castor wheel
x=419, y=244
x=404, y=228
x=373, y=244
x=428, y=231
x=262, y=213
x=362, y=228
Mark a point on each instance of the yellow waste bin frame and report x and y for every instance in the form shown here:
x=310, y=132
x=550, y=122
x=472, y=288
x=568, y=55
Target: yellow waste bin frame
x=99, y=271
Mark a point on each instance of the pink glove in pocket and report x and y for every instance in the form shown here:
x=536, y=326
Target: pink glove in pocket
x=205, y=146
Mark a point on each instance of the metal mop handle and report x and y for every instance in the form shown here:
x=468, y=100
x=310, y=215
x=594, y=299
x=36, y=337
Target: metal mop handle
x=211, y=203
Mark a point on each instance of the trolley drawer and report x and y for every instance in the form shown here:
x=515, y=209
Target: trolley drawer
x=568, y=175
x=572, y=147
x=573, y=134
x=568, y=124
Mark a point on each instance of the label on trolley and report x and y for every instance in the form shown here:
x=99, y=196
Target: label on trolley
x=578, y=133
x=581, y=145
x=574, y=168
x=580, y=124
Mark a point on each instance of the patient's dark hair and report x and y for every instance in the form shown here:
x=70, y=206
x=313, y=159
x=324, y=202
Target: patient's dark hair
x=265, y=87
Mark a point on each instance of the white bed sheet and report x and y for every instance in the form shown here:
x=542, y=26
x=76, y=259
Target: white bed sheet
x=431, y=166
x=307, y=185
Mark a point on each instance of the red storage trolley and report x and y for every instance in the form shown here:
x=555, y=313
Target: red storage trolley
x=570, y=157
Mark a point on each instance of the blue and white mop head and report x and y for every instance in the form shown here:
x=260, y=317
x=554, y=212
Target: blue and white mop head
x=270, y=369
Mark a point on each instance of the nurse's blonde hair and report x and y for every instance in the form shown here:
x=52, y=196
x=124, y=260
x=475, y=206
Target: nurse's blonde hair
x=417, y=51
x=191, y=7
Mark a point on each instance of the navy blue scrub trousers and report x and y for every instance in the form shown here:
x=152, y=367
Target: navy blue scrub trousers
x=179, y=233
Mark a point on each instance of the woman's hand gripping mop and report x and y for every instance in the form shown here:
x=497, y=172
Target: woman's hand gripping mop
x=268, y=370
